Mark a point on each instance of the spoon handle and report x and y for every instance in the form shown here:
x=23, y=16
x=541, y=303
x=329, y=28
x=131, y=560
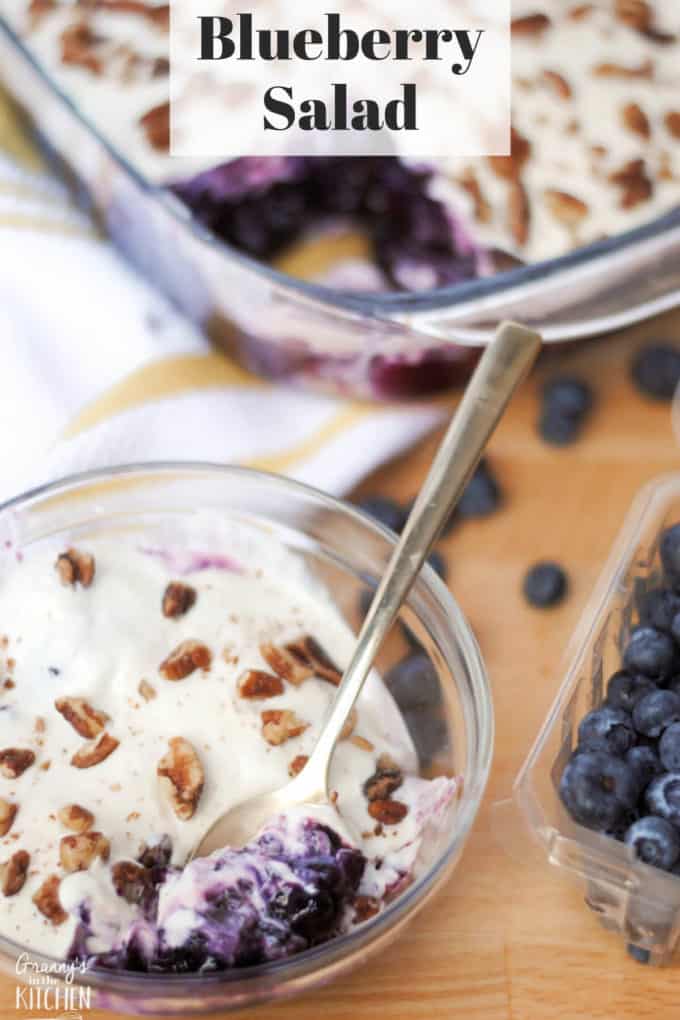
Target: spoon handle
x=499, y=372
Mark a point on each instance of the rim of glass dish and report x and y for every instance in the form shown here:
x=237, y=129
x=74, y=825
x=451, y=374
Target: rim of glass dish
x=468, y=649
x=377, y=306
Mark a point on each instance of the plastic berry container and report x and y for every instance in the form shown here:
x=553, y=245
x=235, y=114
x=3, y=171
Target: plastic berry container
x=639, y=902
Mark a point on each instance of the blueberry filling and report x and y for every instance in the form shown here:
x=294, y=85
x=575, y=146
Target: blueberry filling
x=262, y=206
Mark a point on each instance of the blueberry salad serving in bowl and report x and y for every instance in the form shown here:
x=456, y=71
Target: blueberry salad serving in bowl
x=159, y=663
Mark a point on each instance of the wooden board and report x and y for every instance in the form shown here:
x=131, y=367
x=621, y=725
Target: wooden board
x=508, y=939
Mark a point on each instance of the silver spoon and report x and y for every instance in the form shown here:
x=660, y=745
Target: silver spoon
x=500, y=370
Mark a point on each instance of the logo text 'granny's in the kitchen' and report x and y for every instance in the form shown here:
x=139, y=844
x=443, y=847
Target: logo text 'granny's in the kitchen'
x=351, y=78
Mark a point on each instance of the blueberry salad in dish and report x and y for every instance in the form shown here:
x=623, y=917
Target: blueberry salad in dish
x=623, y=779
x=595, y=146
x=150, y=679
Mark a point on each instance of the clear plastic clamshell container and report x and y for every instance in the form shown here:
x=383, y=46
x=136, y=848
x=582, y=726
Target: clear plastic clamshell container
x=639, y=902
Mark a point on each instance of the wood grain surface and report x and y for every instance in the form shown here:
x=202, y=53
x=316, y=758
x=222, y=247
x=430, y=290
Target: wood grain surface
x=508, y=938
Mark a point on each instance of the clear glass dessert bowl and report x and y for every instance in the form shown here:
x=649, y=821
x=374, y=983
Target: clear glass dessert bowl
x=345, y=551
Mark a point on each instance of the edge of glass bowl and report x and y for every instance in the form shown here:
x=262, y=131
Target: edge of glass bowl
x=311, y=961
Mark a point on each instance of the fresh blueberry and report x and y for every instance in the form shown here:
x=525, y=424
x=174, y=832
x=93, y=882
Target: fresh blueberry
x=598, y=789
x=669, y=748
x=662, y=797
x=638, y=953
x=482, y=495
x=624, y=690
x=438, y=564
x=650, y=652
x=655, y=712
x=384, y=510
x=545, y=585
x=656, y=371
x=606, y=729
x=654, y=841
x=669, y=548
x=566, y=404
x=659, y=607
x=413, y=682
x=645, y=763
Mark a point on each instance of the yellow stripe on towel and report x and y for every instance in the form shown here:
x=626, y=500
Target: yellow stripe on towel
x=14, y=140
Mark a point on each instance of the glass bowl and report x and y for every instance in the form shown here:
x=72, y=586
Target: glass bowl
x=639, y=902
x=346, y=551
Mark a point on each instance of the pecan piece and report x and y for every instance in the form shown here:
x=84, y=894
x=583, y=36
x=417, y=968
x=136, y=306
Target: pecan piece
x=365, y=907
x=362, y=743
x=14, y=761
x=130, y=880
x=8, y=812
x=147, y=691
x=471, y=185
x=632, y=178
x=178, y=599
x=350, y=724
x=672, y=122
x=13, y=873
x=187, y=657
x=310, y=653
x=566, y=208
x=530, y=24
x=257, y=684
x=518, y=212
x=612, y=70
x=387, y=778
x=580, y=12
x=79, y=46
x=77, y=853
x=47, y=901
x=510, y=167
x=95, y=751
x=558, y=83
x=84, y=719
x=297, y=764
x=635, y=13
x=289, y=664
x=279, y=725
x=387, y=812
x=181, y=776
x=636, y=120
x=75, y=567
x=156, y=125
x=76, y=818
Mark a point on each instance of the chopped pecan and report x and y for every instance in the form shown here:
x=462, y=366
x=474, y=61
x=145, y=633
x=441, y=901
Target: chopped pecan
x=530, y=24
x=37, y=9
x=580, y=12
x=47, y=901
x=84, y=719
x=471, y=185
x=95, y=751
x=636, y=13
x=558, y=83
x=13, y=873
x=518, y=212
x=181, y=776
x=612, y=70
x=147, y=691
x=387, y=778
x=156, y=125
x=76, y=567
x=362, y=743
x=672, y=122
x=350, y=723
x=8, y=812
x=566, y=208
x=187, y=657
x=279, y=725
x=79, y=45
x=635, y=184
x=178, y=599
x=159, y=14
x=287, y=663
x=130, y=880
x=387, y=812
x=636, y=120
x=257, y=684
x=365, y=907
x=77, y=853
x=310, y=653
x=510, y=167
x=14, y=761
x=76, y=818
x=297, y=764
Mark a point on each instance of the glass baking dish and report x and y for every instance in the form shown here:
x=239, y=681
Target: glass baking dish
x=385, y=346
x=639, y=902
